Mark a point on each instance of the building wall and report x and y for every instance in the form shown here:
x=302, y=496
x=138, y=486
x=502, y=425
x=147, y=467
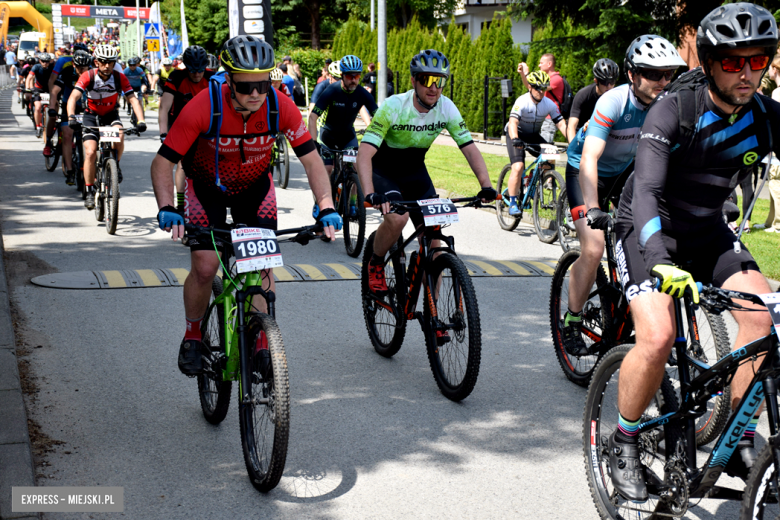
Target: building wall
x=475, y=16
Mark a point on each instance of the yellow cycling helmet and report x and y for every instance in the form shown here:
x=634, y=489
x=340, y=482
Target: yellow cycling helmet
x=539, y=80
x=335, y=69
x=277, y=75
x=247, y=54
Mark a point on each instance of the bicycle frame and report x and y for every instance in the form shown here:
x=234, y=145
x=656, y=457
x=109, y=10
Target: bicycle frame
x=697, y=392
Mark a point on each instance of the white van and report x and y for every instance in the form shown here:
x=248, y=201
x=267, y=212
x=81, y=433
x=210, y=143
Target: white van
x=27, y=43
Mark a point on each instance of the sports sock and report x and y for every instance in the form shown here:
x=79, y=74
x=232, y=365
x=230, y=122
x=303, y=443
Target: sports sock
x=193, y=329
x=572, y=317
x=376, y=259
x=627, y=430
x=512, y=200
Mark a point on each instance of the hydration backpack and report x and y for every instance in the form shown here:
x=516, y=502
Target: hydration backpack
x=215, y=96
x=567, y=101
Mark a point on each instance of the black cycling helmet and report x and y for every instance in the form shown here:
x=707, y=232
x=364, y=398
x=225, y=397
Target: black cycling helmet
x=213, y=62
x=247, y=54
x=195, y=58
x=80, y=47
x=606, y=70
x=31, y=60
x=82, y=58
x=430, y=61
x=135, y=60
x=732, y=26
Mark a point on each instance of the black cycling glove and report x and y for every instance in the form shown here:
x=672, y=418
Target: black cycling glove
x=597, y=219
x=162, y=137
x=52, y=112
x=518, y=143
x=141, y=126
x=376, y=199
x=74, y=124
x=488, y=194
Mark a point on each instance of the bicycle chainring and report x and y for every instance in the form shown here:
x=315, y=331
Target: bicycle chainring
x=676, y=497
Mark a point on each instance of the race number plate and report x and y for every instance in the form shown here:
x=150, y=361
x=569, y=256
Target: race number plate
x=109, y=134
x=772, y=302
x=45, y=98
x=549, y=153
x=438, y=211
x=350, y=156
x=256, y=249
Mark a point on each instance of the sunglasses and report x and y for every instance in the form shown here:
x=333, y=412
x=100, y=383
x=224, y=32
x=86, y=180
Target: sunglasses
x=105, y=62
x=351, y=76
x=606, y=83
x=428, y=80
x=737, y=63
x=198, y=71
x=656, y=75
x=246, y=87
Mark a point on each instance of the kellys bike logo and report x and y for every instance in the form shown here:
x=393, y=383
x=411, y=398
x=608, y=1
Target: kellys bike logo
x=749, y=158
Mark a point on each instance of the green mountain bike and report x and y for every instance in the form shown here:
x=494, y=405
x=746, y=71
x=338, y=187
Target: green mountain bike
x=232, y=330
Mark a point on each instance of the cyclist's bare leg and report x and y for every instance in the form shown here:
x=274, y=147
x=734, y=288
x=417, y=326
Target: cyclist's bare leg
x=259, y=304
x=67, y=146
x=50, y=127
x=37, y=114
x=90, y=158
x=197, y=286
x=514, y=178
x=583, y=270
x=120, y=146
x=388, y=232
x=752, y=325
x=643, y=367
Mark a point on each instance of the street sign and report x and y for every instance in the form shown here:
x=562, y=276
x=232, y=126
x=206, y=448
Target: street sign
x=153, y=45
x=152, y=31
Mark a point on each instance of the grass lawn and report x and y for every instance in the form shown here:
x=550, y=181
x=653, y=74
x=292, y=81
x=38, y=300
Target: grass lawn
x=763, y=246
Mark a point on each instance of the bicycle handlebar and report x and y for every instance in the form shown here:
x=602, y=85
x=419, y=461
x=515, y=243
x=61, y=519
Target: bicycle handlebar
x=303, y=235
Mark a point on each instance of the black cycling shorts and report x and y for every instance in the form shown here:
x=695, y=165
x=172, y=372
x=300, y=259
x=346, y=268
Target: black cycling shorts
x=327, y=143
x=711, y=260
x=412, y=187
x=206, y=205
x=36, y=94
x=517, y=155
x=94, y=120
x=609, y=188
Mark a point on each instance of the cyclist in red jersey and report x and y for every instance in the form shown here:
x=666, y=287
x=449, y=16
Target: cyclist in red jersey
x=276, y=81
x=102, y=87
x=243, y=180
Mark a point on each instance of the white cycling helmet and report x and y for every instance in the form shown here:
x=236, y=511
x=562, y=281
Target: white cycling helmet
x=167, y=61
x=106, y=52
x=335, y=69
x=277, y=75
x=652, y=52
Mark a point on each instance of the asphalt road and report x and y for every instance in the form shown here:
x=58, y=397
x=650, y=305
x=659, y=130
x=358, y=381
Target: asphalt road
x=370, y=437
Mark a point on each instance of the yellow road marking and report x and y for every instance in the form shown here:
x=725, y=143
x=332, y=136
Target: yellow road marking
x=180, y=274
x=489, y=269
x=114, y=279
x=283, y=275
x=544, y=267
x=312, y=271
x=149, y=277
x=519, y=269
x=343, y=271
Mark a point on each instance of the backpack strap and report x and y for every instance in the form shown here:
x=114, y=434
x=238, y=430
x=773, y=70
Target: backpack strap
x=215, y=96
x=687, y=107
x=273, y=112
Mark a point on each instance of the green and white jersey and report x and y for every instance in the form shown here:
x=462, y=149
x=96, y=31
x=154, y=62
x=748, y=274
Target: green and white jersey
x=403, y=135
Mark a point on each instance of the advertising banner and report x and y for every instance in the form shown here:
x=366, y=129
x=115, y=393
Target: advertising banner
x=251, y=17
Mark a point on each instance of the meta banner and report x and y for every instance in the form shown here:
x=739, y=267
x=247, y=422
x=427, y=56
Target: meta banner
x=99, y=11
x=252, y=18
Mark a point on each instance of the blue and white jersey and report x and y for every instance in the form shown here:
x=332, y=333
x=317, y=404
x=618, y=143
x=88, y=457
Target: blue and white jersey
x=617, y=119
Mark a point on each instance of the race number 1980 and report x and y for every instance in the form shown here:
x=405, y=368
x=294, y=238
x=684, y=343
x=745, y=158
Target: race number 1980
x=438, y=211
x=256, y=249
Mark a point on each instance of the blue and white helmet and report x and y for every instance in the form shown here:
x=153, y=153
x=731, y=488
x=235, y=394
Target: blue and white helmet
x=350, y=63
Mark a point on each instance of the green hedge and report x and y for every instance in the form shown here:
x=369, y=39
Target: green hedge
x=493, y=54
x=311, y=62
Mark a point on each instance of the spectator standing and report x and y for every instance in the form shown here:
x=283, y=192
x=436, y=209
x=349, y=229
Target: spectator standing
x=10, y=57
x=369, y=79
x=288, y=80
x=605, y=75
x=555, y=92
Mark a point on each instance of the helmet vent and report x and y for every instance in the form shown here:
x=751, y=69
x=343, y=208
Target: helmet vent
x=725, y=30
x=744, y=22
x=765, y=27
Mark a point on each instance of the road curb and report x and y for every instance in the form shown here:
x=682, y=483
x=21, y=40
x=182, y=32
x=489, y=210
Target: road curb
x=16, y=463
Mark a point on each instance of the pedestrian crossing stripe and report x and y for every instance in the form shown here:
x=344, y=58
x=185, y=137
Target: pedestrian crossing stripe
x=174, y=277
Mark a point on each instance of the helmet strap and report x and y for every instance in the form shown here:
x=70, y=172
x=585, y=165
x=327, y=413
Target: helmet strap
x=420, y=101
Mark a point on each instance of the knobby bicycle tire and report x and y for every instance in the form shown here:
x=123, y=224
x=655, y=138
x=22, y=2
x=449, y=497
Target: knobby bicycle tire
x=51, y=162
x=99, y=187
x=760, y=498
x=567, y=234
x=112, y=195
x=455, y=364
x=546, y=197
x=354, y=225
x=715, y=344
x=505, y=220
x=283, y=162
x=600, y=420
x=77, y=162
x=596, y=320
x=214, y=393
x=265, y=452
x=386, y=329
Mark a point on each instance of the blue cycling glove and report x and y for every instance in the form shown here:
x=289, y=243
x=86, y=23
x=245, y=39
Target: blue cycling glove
x=329, y=217
x=169, y=217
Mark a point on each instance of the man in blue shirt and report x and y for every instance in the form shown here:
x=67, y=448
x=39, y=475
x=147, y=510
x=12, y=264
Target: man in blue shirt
x=288, y=80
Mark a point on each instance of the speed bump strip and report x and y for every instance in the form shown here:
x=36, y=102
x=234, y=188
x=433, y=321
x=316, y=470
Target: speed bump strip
x=135, y=278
